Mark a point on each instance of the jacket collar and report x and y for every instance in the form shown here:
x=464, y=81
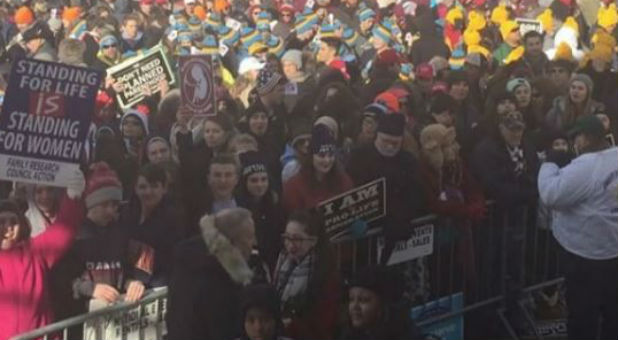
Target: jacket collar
x=228, y=256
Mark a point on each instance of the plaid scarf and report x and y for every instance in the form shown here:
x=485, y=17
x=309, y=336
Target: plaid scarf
x=517, y=156
x=292, y=281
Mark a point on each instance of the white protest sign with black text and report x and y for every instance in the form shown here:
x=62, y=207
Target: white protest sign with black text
x=418, y=245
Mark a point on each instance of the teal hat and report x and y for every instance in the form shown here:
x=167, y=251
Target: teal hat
x=365, y=14
x=248, y=36
x=228, y=36
x=276, y=46
x=263, y=21
x=305, y=21
x=350, y=36
x=209, y=45
x=213, y=21
x=195, y=24
x=383, y=33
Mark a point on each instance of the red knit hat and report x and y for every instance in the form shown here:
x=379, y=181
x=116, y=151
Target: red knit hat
x=24, y=16
x=102, y=185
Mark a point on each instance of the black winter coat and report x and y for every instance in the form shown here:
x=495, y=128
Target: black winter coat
x=204, y=293
x=494, y=169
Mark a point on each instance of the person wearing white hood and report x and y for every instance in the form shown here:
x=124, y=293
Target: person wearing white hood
x=248, y=71
x=43, y=205
x=568, y=35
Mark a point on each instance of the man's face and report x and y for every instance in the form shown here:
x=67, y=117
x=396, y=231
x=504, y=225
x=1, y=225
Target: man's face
x=258, y=123
x=560, y=144
x=534, y=46
x=222, y=179
x=326, y=53
x=289, y=69
x=512, y=136
x=514, y=37
x=559, y=76
x=158, y=152
x=523, y=95
x=130, y=28
x=110, y=50
x=366, y=25
x=104, y=213
x=388, y=145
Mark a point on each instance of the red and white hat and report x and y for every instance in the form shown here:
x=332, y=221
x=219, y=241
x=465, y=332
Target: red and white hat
x=102, y=185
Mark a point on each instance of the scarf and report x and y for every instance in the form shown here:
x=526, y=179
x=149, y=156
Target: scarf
x=292, y=281
x=517, y=156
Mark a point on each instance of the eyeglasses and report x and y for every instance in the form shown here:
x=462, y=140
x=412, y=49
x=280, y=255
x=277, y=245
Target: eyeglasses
x=295, y=239
x=109, y=46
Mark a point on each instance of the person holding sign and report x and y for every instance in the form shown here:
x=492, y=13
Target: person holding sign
x=25, y=262
x=318, y=180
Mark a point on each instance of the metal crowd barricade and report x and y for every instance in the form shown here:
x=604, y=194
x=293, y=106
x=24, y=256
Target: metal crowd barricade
x=118, y=321
x=471, y=258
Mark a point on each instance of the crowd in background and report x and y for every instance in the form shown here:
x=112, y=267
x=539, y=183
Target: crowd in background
x=452, y=102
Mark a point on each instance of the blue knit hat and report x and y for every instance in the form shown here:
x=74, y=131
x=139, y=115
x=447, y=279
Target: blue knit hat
x=383, y=33
x=209, y=45
x=305, y=21
x=108, y=39
x=263, y=21
x=229, y=36
x=248, y=36
x=365, y=14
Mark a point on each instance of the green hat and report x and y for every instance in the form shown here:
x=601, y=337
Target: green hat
x=589, y=125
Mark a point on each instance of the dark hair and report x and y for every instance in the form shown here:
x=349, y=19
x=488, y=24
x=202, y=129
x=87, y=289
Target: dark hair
x=457, y=76
x=441, y=102
x=224, y=159
x=18, y=209
x=532, y=34
x=333, y=42
x=311, y=221
x=153, y=173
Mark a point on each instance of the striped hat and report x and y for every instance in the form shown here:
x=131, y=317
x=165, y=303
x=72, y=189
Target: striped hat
x=328, y=31
x=305, y=21
x=366, y=14
x=102, y=185
x=195, y=24
x=213, y=20
x=382, y=32
x=209, y=45
x=458, y=58
x=248, y=36
x=263, y=21
x=228, y=36
x=406, y=72
x=184, y=36
x=276, y=46
x=350, y=36
x=108, y=39
x=257, y=47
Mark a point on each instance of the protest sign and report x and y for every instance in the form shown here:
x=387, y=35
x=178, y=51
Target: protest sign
x=139, y=72
x=527, y=25
x=127, y=324
x=45, y=120
x=197, y=85
x=418, y=245
x=448, y=329
x=367, y=203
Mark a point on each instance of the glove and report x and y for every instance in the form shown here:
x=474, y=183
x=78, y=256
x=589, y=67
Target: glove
x=358, y=228
x=77, y=184
x=560, y=158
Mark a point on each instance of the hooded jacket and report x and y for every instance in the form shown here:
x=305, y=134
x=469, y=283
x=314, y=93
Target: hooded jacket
x=204, y=292
x=24, y=272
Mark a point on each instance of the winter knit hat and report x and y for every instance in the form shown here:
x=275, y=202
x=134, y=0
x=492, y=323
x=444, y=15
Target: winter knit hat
x=107, y=40
x=476, y=21
x=329, y=122
x=375, y=110
x=607, y=17
x=24, y=16
x=143, y=118
x=252, y=162
x=366, y=14
x=507, y=27
x=102, y=185
x=262, y=296
x=584, y=78
x=267, y=80
x=383, y=33
x=499, y=15
x=514, y=83
x=305, y=21
x=381, y=281
x=71, y=14
x=322, y=140
x=295, y=57
x=392, y=124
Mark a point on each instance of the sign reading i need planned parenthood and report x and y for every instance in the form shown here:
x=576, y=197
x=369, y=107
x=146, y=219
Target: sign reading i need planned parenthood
x=44, y=121
x=139, y=72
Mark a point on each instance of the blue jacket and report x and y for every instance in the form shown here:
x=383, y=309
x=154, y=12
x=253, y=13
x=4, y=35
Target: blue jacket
x=583, y=196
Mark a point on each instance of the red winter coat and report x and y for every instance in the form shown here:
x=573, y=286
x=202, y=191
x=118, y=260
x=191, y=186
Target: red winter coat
x=24, y=273
x=303, y=192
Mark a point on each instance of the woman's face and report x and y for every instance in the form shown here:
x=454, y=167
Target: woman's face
x=45, y=199
x=505, y=107
x=296, y=241
x=323, y=162
x=257, y=184
x=149, y=194
x=578, y=92
x=523, y=96
x=459, y=90
x=369, y=126
x=158, y=152
x=560, y=144
x=258, y=123
x=9, y=229
x=213, y=134
x=132, y=127
x=364, y=307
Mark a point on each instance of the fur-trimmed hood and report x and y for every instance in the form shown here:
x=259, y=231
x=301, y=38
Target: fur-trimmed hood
x=228, y=256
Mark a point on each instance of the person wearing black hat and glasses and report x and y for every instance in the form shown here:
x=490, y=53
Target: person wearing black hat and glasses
x=583, y=197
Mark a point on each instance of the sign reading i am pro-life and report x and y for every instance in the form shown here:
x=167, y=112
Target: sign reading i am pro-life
x=44, y=121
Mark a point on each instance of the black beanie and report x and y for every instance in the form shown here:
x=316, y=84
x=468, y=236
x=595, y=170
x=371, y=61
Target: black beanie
x=380, y=280
x=392, y=124
x=252, y=162
x=262, y=296
x=322, y=140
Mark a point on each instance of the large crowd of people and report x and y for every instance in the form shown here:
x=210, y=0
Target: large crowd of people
x=452, y=102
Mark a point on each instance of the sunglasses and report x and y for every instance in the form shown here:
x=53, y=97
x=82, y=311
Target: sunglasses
x=286, y=15
x=109, y=46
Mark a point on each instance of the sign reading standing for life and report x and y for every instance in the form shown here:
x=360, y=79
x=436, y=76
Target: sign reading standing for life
x=197, y=85
x=45, y=119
